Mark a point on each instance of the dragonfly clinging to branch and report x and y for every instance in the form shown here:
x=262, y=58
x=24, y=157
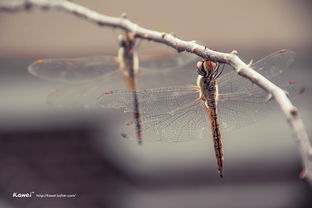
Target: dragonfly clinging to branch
x=128, y=64
x=181, y=113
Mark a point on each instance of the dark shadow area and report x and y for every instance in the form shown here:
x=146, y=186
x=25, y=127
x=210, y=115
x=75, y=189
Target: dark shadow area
x=61, y=160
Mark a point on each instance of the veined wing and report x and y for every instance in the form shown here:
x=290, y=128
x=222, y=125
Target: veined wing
x=161, y=57
x=184, y=124
x=241, y=102
x=270, y=66
x=151, y=101
x=85, y=94
x=73, y=69
x=190, y=121
x=167, y=60
x=242, y=108
x=275, y=63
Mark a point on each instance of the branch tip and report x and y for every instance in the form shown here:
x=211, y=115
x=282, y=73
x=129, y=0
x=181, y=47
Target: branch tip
x=268, y=98
x=234, y=52
x=124, y=15
x=250, y=62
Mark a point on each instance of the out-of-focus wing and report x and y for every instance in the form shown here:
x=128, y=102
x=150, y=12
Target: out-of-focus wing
x=167, y=61
x=73, y=69
x=85, y=94
x=88, y=68
x=161, y=57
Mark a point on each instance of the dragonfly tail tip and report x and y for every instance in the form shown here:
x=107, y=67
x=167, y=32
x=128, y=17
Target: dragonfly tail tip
x=221, y=174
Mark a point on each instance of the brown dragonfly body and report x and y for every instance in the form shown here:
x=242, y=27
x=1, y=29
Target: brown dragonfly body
x=207, y=83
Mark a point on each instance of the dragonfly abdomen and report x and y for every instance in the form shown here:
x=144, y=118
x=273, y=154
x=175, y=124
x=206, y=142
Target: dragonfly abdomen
x=216, y=134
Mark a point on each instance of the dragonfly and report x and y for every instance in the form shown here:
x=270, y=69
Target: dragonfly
x=128, y=65
x=219, y=101
x=89, y=76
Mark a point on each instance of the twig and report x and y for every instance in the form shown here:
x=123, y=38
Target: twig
x=232, y=59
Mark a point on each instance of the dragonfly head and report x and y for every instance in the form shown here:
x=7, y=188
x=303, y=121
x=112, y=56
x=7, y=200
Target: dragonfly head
x=127, y=42
x=206, y=68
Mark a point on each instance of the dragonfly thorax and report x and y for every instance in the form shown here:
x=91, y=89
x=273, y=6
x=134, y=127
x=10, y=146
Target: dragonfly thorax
x=124, y=65
x=208, y=72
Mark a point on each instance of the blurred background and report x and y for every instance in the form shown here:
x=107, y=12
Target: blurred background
x=76, y=151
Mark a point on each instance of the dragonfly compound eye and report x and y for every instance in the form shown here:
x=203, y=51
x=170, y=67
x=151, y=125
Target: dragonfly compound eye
x=200, y=69
x=122, y=44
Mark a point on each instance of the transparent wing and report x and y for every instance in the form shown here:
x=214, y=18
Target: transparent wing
x=85, y=94
x=167, y=60
x=275, y=63
x=242, y=108
x=165, y=67
x=185, y=75
x=185, y=124
x=270, y=66
x=162, y=57
x=89, y=77
x=242, y=103
x=73, y=69
x=151, y=101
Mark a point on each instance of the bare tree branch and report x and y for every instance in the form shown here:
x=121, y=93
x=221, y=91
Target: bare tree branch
x=232, y=59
